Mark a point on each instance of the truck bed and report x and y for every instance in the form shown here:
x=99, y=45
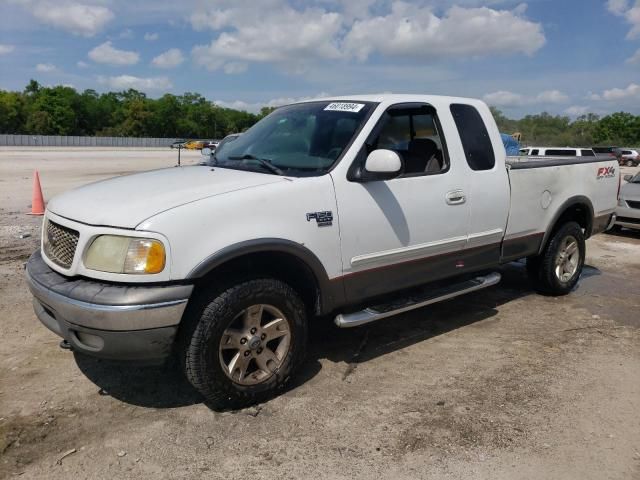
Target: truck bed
x=541, y=187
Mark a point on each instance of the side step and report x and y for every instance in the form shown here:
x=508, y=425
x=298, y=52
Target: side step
x=378, y=312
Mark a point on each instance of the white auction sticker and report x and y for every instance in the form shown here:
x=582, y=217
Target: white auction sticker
x=344, y=107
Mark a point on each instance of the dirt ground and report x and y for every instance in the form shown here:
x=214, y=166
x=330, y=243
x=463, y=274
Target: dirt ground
x=501, y=384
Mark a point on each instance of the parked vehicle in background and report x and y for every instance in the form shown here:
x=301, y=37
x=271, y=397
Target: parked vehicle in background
x=605, y=151
x=195, y=144
x=557, y=152
x=628, y=210
x=226, y=140
x=628, y=157
x=210, y=153
x=178, y=144
x=355, y=207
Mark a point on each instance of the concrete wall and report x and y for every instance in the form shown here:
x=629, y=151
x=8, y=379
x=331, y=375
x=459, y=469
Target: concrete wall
x=11, y=140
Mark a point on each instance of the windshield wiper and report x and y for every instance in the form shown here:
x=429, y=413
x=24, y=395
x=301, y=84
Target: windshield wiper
x=266, y=163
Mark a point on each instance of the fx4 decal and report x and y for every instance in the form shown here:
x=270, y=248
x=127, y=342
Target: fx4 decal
x=323, y=219
x=606, y=172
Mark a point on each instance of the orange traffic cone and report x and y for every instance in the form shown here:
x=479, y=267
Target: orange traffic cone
x=37, y=201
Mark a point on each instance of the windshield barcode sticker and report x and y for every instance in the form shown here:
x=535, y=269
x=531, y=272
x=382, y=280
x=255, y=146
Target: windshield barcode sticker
x=344, y=107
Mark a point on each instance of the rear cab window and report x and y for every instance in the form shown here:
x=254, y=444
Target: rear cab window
x=474, y=136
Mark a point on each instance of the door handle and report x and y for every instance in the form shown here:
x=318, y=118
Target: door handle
x=455, y=197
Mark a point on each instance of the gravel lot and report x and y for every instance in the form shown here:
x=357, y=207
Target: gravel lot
x=501, y=384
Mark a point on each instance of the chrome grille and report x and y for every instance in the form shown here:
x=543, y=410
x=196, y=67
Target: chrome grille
x=60, y=244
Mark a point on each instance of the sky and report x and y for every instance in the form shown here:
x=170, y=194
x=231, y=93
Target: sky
x=561, y=56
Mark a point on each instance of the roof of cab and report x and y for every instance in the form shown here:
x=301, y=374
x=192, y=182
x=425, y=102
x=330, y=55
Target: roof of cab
x=396, y=98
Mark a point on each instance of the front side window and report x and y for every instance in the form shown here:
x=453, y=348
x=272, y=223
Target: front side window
x=412, y=132
x=588, y=153
x=534, y=152
x=304, y=139
x=474, y=136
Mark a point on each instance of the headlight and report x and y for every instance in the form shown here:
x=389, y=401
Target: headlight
x=116, y=254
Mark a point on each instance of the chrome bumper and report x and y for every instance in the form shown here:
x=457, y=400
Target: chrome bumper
x=128, y=322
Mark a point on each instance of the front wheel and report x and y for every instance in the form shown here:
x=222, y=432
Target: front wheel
x=245, y=342
x=557, y=270
x=629, y=163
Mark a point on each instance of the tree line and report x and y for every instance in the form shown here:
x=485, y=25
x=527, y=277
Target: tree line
x=61, y=110
x=620, y=129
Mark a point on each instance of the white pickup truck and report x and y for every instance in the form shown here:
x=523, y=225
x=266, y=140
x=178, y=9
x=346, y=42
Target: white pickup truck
x=358, y=208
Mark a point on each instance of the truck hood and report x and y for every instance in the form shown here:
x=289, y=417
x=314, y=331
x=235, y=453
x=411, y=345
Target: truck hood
x=128, y=200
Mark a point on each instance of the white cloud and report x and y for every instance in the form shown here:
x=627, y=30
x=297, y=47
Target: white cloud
x=618, y=7
x=274, y=102
x=410, y=30
x=504, y=98
x=45, y=67
x=551, y=96
x=151, y=37
x=169, y=59
x=234, y=68
x=275, y=35
x=296, y=38
x=628, y=93
x=630, y=12
x=106, y=53
x=124, y=82
x=634, y=59
x=82, y=64
x=77, y=18
x=127, y=33
x=6, y=49
x=577, y=110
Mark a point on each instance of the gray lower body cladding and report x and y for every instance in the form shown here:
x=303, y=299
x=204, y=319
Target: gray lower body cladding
x=123, y=322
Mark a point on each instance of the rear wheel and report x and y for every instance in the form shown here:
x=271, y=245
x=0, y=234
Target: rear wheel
x=557, y=270
x=629, y=163
x=245, y=342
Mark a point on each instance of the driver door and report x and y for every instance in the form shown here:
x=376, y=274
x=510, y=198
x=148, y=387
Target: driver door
x=411, y=229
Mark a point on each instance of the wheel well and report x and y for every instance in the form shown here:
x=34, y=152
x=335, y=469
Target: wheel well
x=282, y=266
x=578, y=212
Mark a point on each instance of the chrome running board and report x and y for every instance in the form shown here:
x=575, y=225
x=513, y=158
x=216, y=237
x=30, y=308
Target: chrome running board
x=378, y=312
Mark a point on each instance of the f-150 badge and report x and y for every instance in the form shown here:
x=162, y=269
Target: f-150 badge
x=323, y=219
x=606, y=172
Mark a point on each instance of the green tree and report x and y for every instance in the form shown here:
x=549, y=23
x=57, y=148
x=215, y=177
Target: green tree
x=12, y=112
x=620, y=128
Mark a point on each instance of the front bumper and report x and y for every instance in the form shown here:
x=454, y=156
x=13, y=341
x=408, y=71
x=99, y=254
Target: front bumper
x=123, y=322
x=628, y=217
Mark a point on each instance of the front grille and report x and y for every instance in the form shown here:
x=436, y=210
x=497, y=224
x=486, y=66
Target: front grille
x=628, y=220
x=633, y=203
x=60, y=244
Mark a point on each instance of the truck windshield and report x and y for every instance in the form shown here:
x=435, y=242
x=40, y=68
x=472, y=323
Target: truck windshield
x=304, y=139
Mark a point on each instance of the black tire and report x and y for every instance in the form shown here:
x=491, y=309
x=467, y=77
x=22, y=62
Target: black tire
x=542, y=268
x=212, y=315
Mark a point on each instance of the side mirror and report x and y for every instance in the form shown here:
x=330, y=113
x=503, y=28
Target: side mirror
x=382, y=164
x=206, y=152
x=627, y=178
